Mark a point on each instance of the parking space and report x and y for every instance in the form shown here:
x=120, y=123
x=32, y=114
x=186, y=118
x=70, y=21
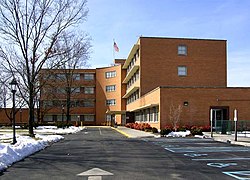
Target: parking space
x=230, y=160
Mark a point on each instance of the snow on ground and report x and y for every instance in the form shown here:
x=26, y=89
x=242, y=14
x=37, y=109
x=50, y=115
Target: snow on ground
x=179, y=134
x=55, y=130
x=26, y=145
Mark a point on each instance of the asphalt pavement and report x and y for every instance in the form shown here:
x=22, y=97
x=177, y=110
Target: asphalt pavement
x=103, y=153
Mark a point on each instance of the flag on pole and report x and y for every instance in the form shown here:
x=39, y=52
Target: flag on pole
x=116, y=47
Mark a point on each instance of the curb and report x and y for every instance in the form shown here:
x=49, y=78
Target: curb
x=228, y=141
x=121, y=132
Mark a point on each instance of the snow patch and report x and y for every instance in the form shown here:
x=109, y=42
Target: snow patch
x=26, y=145
x=179, y=134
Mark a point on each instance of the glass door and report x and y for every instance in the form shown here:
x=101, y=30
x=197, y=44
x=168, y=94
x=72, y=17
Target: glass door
x=217, y=119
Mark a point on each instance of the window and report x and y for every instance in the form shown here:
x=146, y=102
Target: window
x=182, y=50
x=108, y=117
x=89, y=90
x=110, y=74
x=76, y=76
x=88, y=103
x=60, y=76
x=88, y=76
x=182, y=71
x=110, y=88
x=110, y=102
x=89, y=117
x=76, y=89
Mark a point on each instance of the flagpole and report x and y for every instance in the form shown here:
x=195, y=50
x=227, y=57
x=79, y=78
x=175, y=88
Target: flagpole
x=113, y=49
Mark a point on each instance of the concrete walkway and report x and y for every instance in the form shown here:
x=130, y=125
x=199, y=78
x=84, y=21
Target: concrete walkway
x=242, y=139
x=132, y=133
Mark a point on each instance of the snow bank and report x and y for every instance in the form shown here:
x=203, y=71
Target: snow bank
x=26, y=145
x=55, y=130
x=179, y=134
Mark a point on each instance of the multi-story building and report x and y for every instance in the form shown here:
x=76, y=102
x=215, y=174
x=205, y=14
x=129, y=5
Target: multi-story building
x=160, y=73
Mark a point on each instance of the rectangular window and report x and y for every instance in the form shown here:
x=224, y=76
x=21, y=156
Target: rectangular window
x=89, y=117
x=76, y=89
x=182, y=71
x=76, y=76
x=88, y=103
x=89, y=90
x=110, y=74
x=182, y=50
x=88, y=76
x=110, y=102
x=110, y=88
x=60, y=76
x=108, y=117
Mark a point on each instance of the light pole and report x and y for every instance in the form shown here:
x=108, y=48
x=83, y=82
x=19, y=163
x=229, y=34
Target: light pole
x=21, y=115
x=62, y=116
x=13, y=84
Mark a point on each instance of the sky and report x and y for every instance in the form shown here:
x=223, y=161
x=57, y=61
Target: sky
x=126, y=20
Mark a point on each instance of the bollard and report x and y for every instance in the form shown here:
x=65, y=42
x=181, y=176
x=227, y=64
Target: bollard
x=235, y=124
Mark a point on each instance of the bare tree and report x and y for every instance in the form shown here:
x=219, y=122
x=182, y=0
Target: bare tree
x=32, y=32
x=66, y=79
x=174, y=115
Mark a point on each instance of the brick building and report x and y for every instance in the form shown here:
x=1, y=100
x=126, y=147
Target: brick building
x=158, y=73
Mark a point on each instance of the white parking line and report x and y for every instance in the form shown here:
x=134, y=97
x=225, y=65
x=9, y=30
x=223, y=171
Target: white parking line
x=207, y=149
x=241, y=175
x=221, y=159
x=169, y=150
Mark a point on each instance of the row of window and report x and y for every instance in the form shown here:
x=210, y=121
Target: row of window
x=133, y=97
x=84, y=117
x=73, y=103
x=147, y=115
x=76, y=76
x=85, y=90
x=76, y=103
x=132, y=62
x=133, y=79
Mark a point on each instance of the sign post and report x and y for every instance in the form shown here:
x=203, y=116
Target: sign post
x=235, y=123
x=211, y=121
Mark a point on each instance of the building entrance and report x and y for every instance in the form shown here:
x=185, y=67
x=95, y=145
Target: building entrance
x=220, y=117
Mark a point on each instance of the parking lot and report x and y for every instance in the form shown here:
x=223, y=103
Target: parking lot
x=231, y=160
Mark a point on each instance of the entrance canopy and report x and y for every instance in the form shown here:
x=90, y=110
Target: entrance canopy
x=144, y=107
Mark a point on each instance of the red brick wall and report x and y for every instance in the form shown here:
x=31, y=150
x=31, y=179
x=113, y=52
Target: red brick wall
x=22, y=116
x=200, y=100
x=205, y=61
x=78, y=83
x=102, y=95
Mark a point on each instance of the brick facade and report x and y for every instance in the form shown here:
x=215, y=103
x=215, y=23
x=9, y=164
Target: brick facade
x=158, y=73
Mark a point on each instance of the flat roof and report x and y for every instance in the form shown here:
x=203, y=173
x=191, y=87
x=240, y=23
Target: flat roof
x=202, y=87
x=184, y=38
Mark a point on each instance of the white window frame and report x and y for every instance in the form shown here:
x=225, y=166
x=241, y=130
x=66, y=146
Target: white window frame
x=88, y=76
x=110, y=88
x=110, y=74
x=76, y=76
x=89, y=117
x=88, y=103
x=89, y=90
x=182, y=70
x=75, y=89
x=182, y=50
x=110, y=102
